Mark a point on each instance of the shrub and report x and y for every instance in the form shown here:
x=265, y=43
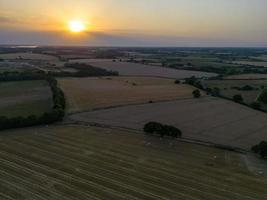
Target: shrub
x=216, y=92
x=260, y=149
x=153, y=127
x=171, y=131
x=255, y=105
x=196, y=93
x=263, y=97
x=238, y=98
x=247, y=88
x=191, y=80
x=177, y=81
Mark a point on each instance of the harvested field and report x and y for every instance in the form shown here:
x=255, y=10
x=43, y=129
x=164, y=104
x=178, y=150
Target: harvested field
x=208, y=119
x=28, y=56
x=74, y=162
x=247, y=76
x=132, y=69
x=227, y=88
x=24, y=98
x=94, y=93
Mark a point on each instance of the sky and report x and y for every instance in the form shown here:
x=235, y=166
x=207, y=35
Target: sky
x=218, y=23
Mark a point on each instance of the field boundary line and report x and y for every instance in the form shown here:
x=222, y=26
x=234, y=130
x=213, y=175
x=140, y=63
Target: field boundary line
x=132, y=104
x=137, y=131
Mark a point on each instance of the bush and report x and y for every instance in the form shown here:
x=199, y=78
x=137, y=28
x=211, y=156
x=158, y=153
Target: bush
x=238, y=98
x=177, y=81
x=162, y=130
x=171, y=131
x=260, y=149
x=196, y=93
x=216, y=92
x=191, y=80
x=247, y=88
x=153, y=127
x=263, y=97
x=255, y=105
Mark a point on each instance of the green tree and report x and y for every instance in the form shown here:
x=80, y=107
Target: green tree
x=177, y=81
x=153, y=127
x=196, y=93
x=238, y=98
x=162, y=130
x=255, y=105
x=216, y=92
x=260, y=149
x=263, y=97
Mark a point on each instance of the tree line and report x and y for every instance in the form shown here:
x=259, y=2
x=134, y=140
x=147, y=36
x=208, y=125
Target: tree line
x=57, y=113
x=83, y=70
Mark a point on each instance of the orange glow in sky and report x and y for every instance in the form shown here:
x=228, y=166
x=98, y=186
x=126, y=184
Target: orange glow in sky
x=77, y=26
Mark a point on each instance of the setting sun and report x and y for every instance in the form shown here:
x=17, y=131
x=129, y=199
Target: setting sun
x=77, y=26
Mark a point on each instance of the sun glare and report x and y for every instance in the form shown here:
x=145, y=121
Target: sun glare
x=76, y=26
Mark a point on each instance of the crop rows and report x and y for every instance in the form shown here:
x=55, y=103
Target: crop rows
x=72, y=162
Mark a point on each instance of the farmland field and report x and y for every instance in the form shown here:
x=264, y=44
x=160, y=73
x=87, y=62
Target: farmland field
x=247, y=76
x=24, y=98
x=93, y=93
x=28, y=56
x=132, y=69
x=207, y=119
x=227, y=88
x=76, y=162
x=260, y=64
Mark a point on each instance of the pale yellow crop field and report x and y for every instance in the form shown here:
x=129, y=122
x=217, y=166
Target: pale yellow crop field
x=93, y=93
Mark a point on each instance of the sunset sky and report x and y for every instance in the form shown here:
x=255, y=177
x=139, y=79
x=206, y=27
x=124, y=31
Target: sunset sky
x=135, y=22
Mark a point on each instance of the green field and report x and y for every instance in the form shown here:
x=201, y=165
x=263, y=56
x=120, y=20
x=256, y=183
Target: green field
x=227, y=88
x=78, y=162
x=24, y=98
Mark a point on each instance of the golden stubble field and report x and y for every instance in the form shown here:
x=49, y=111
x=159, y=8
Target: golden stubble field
x=80, y=163
x=85, y=94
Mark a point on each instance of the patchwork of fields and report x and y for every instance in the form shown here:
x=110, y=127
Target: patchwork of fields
x=75, y=162
x=24, y=98
x=253, y=63
x=247, y=76
x=94, y=93
x=132, y=69
x=207, y=119
x=99, y=151
x=228, y=88
x=28, y=56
